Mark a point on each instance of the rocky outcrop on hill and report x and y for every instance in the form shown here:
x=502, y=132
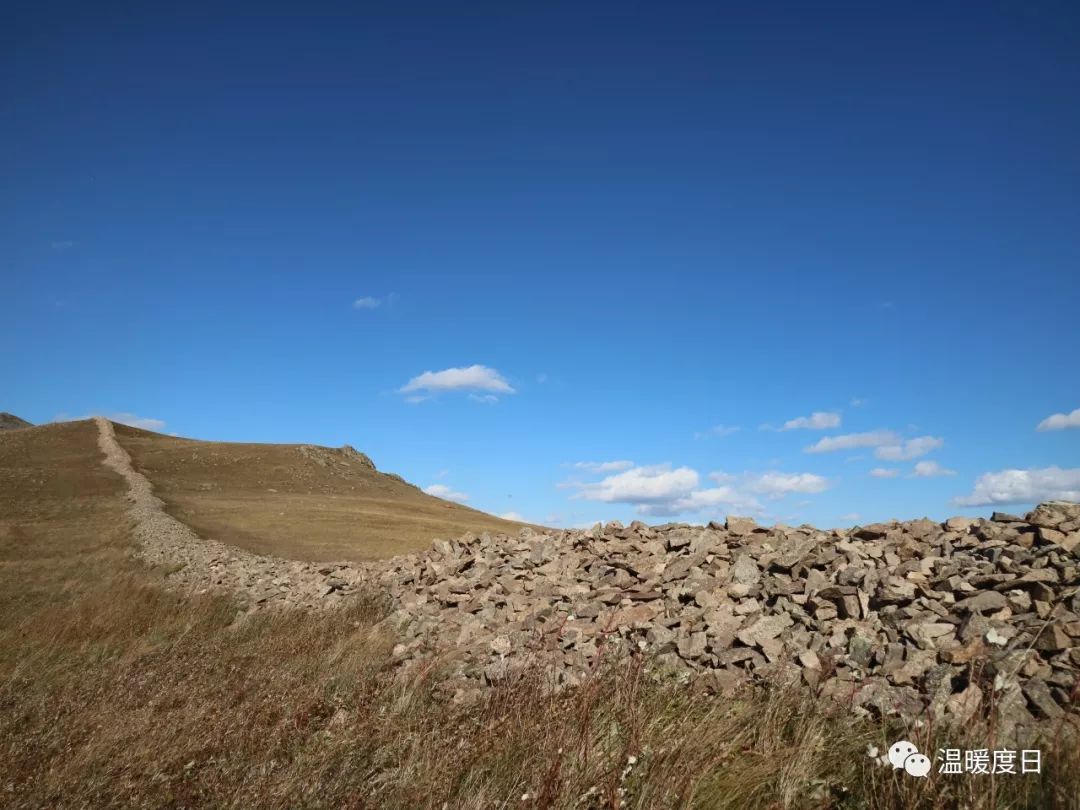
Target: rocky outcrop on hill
x=9, y=421
x=893, y=619
x=341, y=457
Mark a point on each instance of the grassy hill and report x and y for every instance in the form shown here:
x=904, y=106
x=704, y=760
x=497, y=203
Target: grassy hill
x=294, y=500
x=9, y=421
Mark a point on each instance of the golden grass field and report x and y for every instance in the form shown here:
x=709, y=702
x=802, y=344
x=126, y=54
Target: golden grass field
x=117, y=693
x=277, y=499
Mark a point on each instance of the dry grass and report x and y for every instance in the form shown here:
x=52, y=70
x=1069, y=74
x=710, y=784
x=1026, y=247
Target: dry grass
x=116, y=693
x=274, y=499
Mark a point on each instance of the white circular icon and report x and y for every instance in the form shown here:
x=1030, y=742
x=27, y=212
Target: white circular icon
x=917, y=765
x=901, y=751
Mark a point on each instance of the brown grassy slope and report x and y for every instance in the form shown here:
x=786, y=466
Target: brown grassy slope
x=295, y=500
x=56, y=499
x=117, y=693
x=9, y=421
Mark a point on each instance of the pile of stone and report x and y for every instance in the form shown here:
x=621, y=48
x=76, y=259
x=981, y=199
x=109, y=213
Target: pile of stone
x=895, y=619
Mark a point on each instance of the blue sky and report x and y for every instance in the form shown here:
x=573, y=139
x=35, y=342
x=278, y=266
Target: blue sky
x=572, y=261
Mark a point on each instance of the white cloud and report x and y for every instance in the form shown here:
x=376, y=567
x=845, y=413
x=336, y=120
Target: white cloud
x=1024, y=486
x=777, y=484
x=857, y=403
x=818, y=420
x=661, y=490
x=642, y=485
x=851, y=517
x=469, y=378
x=717, y=431
x=930, y=469
x=62, y=244
x=485, y=399
x=371, y=302
x=700, y=500
x=603, y=466
x=513, y=516
x=884, y=472
x=1060, y=421
x=849, y=441
x=443, y=491
x=442, y=473
x=541, y=378
x=912, y=448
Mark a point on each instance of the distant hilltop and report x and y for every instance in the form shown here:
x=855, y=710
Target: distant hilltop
x=9, y=421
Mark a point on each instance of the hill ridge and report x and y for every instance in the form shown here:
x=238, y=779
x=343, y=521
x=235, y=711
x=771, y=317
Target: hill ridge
x=9, y=421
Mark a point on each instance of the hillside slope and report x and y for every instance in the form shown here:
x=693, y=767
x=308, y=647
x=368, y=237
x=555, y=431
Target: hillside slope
x=295, y=500
x=9, y=421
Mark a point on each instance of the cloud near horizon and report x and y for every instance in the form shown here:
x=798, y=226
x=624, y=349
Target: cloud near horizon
x=445, y=492
x=467, y=378
x=1024, y=486
x=884, y=472
x=1060, y=421
x=660, y=489
x=603, y=466
x=850, y=441
x=717, y=431
x=930, y=469
x=818, y=420
x=912, y=448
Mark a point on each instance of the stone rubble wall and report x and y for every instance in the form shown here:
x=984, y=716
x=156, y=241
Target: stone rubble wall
x=201, y=565
x=895, y=619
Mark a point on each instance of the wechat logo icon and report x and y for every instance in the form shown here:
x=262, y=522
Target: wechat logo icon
x=905, y=755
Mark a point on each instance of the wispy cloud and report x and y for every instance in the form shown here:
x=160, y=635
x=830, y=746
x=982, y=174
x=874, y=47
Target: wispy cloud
x=1024, y=486
x=850, y=441
x=475, y=378
x=1060, y=421
x=930, y=469
x=513, y=516
x=717, y=431
x=443, y=491
x=603, y=466
x=912, y=448
x=778, y=484
x=61, y=245
x=818, y=420
x=884, y=472
x=373, y=302
x=485, y=399
x=857, y=403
